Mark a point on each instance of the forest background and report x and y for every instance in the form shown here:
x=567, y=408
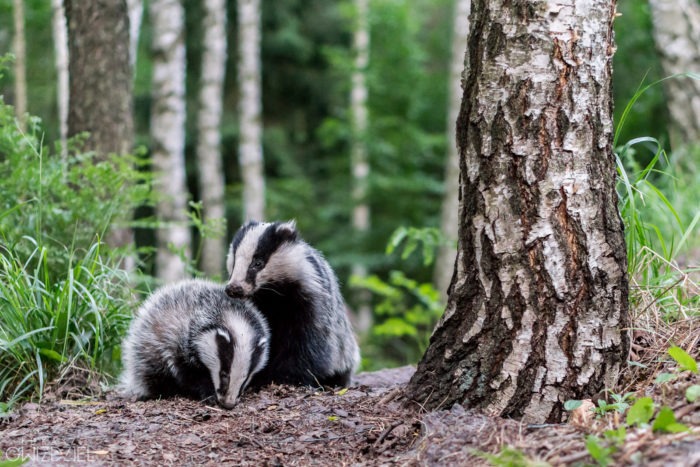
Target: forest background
x=307, y=64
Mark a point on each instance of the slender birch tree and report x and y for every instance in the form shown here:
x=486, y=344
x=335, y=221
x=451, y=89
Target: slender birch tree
x=135, y=8
x=20, y=49
x=444, y=262
x=359, y=159
x=537, y=312
x=250, y=154
x=677, y=36
x=168, y=137
x=209, y=163
x=60, y=43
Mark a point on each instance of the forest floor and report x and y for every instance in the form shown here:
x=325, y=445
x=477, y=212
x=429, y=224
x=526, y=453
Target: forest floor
x=368, y=424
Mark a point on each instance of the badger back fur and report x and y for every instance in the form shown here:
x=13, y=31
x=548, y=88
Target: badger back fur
x=311, y=340
x=191, y=339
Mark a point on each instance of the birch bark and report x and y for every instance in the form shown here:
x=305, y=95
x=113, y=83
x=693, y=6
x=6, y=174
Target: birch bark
x=359, y=160
x=250, y=155
x=211, y=173
x=538, y=306
x=20, y=50
x=60, y=40
x=168, y=137
x=677, y=36
x=444, y=262
x=135, y=8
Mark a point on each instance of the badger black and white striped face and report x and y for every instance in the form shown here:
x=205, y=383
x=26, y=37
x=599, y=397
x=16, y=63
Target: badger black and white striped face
x=263, y=253
x=233, y=353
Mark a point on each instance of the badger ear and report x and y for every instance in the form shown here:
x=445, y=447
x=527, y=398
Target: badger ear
x=262, y=341
x=288, y=230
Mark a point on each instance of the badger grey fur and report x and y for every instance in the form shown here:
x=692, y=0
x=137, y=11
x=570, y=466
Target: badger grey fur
x=191, y=339
x=311, y=340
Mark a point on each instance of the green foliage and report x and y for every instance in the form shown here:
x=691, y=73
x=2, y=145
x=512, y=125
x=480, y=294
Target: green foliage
x=13, y=462
x=641, y=412
x=666, y=422
x=685, y=361
x=405, y=310
x=692, y=393
x=51, y=319
x=510, y=457
x=602, y=449
x=656, y=232
x=430, y=237
x=620, y=404
x=62, y=204
x=64, y=303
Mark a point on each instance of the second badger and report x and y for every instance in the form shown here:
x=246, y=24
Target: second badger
x=311, y=340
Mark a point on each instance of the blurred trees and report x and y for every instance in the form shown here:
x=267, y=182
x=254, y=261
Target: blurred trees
x=209, y=161
x=677, y=36
x=444, y=264
x=250, y=151
x=167, y=130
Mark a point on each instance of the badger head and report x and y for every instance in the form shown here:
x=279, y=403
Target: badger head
x=233, y=352
x=260, y=254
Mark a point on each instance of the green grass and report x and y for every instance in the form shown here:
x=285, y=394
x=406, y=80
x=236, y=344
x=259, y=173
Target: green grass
x=50, y=321
x=659, y=224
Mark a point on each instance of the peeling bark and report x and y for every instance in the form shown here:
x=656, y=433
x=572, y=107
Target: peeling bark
x=168, y=137
x=538, y=304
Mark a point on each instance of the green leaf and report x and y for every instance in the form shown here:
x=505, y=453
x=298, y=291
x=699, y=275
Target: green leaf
x=664, y=378
x=666, y=422
x=641, y=412
x=692, y=393
x=685, y=361
x=597, y=451
x=53, y=355
x=13, y=462
x=572, y=404
x=332, y=418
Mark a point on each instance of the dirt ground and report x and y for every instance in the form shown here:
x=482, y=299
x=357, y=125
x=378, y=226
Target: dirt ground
x=369, y=424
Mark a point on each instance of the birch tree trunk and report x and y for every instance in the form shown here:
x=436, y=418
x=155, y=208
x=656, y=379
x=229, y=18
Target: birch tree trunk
x=135, y=8
x=250, y=155
x=677, y=36
x=168, y=137
x=211, y=173
x=359, y=161
x=444, y=262
x=100, y=75
x=20, y=49
x=538, y=304
x=60, y=41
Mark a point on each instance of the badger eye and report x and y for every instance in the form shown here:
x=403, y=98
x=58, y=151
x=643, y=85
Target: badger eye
x=258, y=263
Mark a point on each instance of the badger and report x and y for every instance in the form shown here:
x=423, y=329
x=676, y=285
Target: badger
x=191, y=339
x=311, y=340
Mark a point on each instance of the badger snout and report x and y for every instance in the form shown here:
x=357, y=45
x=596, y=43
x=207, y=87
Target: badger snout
x=235, y=290
x=228, y=404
